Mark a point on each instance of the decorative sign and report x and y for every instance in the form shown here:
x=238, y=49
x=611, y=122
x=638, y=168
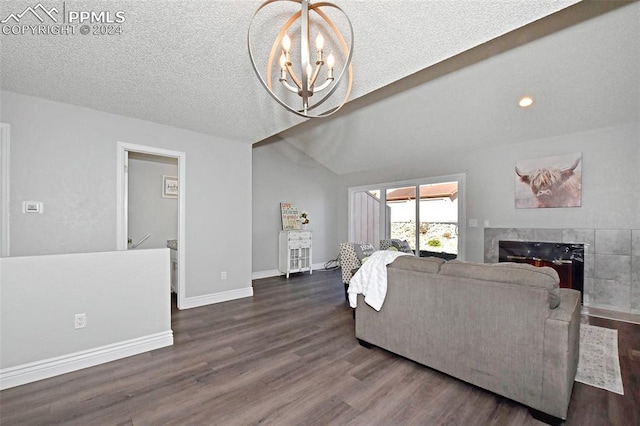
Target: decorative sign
x=290, y=217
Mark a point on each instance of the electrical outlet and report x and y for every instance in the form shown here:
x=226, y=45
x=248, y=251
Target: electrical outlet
x=81, y=321
x=223, y=275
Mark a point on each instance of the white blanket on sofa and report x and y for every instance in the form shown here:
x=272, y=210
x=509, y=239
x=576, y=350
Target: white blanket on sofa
x=371, y=279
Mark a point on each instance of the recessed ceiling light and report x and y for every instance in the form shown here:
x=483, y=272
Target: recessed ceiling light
x=525, y=101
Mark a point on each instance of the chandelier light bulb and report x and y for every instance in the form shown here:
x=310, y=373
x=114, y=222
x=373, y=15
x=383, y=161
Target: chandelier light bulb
x=331, y=61
x=286, y=43
x=319, y=42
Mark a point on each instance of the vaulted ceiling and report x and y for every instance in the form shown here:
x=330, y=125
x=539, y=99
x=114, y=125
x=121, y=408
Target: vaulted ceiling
x=581, y=65
x=185, y=63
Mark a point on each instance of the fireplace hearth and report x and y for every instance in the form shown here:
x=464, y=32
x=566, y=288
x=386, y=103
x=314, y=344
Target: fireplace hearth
x=566, y=259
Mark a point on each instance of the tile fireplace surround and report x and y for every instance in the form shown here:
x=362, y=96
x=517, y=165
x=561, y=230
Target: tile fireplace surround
x=611, y=261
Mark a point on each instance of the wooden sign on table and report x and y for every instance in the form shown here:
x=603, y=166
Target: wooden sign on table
x=290, y=217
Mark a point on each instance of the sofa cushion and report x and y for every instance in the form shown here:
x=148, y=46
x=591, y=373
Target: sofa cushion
x=419, y=264
x=507, y=272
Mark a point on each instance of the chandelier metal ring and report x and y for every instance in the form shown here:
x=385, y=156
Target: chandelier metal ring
x=346, y=49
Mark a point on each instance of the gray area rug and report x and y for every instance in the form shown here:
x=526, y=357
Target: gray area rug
x=599, y=364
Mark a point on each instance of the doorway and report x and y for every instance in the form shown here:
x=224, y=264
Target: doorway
x=140, y=162
x=4, y=190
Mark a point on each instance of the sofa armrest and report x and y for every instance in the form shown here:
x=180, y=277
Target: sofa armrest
x=561, y=350
x=348, y=261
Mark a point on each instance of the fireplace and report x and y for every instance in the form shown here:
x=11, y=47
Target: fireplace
x=566, y=259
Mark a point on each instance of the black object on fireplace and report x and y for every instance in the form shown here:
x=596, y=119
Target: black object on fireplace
x=566, y=259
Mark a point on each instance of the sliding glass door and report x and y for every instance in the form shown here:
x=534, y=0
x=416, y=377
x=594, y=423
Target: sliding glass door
x=438, y=212
x=401, y=203
x=424, y=213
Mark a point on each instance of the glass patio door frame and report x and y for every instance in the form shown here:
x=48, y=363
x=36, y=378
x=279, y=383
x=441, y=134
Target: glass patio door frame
x=460, y=178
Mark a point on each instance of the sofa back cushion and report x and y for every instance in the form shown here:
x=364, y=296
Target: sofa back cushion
x=418, y=264
x=516, y=273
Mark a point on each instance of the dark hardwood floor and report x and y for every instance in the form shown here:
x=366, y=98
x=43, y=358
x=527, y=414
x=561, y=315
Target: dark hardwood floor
x=289, y=356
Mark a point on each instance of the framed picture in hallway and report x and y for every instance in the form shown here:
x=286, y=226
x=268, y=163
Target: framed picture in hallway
x=169, y=187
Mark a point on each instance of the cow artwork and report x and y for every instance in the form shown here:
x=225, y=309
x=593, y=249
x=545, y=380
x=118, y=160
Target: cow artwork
x=549, y=182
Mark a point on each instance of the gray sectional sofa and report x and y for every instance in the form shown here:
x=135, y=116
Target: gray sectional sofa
x=504, y=327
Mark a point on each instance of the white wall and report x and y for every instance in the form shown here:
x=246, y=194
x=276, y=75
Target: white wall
x=282, y=173
x=610, y=194
x=124, y=294
x=149, y=211
x=65, y=156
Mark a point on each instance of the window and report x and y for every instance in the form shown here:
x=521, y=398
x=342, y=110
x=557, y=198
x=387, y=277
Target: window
x=426, y=213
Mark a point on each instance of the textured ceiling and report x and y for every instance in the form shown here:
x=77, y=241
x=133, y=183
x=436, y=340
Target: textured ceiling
x=581, y=65
x=185, y=63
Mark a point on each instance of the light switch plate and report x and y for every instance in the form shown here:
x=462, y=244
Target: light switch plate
x=32, y=207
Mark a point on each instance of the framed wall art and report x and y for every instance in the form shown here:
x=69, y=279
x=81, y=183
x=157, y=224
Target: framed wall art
x=169, y=186
x=549, y=182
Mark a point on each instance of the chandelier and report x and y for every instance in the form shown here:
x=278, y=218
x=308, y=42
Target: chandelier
x=313, y=80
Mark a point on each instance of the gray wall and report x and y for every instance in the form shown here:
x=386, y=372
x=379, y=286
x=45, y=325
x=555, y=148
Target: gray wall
x=610, y=192
x=282, y=173
x=122, y=293
x=149, y=211
x=610, y=197
x=460, y=117
x=65, y=156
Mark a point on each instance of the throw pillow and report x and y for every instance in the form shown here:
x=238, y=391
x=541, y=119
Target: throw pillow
x=364, y=250
x=402, y=246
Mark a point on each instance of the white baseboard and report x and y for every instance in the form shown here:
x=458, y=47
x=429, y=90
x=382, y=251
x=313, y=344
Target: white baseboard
x=209, y=299
x=317, y=266
x=265, y=274
x=275, y=272
x=38, y=370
